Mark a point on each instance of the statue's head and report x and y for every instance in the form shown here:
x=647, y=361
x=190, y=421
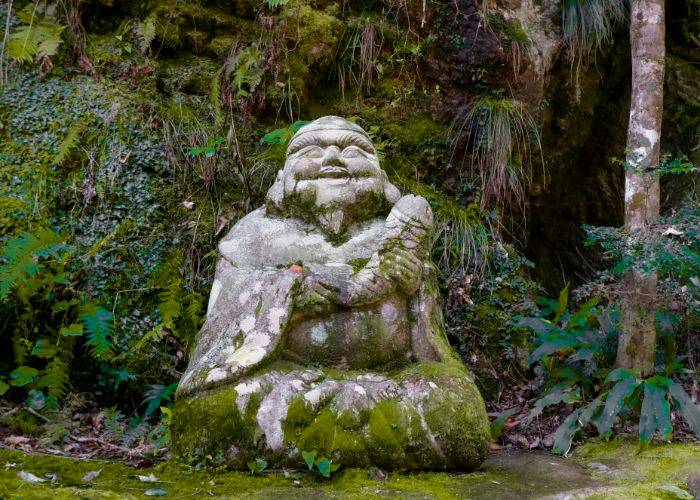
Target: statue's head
x=332, y=177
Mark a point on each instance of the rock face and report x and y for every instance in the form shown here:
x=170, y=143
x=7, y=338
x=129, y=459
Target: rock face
x=324, y=331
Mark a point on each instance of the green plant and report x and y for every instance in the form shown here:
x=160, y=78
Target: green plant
x=464, y=238
x=38, y=37
x=45, y=313
x=576, y=351
x=499, y=134
x=243, y=70
x=588, y=24
x=257, y=466
x=323, y=465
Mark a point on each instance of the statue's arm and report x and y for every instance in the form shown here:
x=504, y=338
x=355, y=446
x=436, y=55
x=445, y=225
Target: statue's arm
x=398, y=263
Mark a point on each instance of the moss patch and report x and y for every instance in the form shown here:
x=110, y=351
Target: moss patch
x=505, y=475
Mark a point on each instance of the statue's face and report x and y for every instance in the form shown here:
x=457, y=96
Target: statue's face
x=332, y=176
x=334, y=167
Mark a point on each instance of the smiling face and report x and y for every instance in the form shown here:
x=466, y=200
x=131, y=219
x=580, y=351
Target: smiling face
x=332, y=176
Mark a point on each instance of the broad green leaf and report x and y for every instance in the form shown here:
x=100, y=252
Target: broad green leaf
x=309, y=457
x=3, y=387
x=23, y=375
x=620, y=374
x=72, y=330
x=324, y=466
x=562, y=303
x=560, y=393
x=688, y=410
x=614, y=402
x=565, y=432
x=257, y=466
x=580, y=317
x=43, y=349
x=500, y=421
x=538, y=325
x=655, y=414
x=548, y=348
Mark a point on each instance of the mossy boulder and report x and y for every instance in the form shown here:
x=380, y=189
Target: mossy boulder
x=428, y=416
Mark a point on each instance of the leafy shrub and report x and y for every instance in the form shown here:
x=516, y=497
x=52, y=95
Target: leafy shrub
x=577, y=351
x=45, y=311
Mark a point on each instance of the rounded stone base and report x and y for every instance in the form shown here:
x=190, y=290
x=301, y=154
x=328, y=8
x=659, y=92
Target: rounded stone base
x=429, y=416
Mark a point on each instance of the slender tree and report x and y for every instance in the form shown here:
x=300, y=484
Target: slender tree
x=638, y=338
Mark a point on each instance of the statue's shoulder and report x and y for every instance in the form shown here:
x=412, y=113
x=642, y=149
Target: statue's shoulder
x=255, y=230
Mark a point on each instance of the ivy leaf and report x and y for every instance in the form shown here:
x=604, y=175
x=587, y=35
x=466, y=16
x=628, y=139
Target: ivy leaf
x=257, y=466
x=500, y=421
x=72, y=330
x=23, y=375
x=688, y=410
x=655, y=413
x=615, y=401
x=43, y=349
x=324, y=466
x=309, y=457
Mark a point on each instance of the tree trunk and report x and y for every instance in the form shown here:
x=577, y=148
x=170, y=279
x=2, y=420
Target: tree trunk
x=638, y=338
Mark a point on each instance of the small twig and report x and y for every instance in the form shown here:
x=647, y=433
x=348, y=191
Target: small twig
x=37, y=414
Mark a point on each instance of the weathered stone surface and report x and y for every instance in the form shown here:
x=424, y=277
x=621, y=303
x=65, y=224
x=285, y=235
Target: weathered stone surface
x=324, y=330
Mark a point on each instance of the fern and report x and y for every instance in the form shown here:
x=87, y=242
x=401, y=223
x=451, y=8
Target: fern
x=30, y=42
x=146, y=32
x=97, y=323
x=243, y=70
x=23, y=257
x=55, y=381
x=70, y=141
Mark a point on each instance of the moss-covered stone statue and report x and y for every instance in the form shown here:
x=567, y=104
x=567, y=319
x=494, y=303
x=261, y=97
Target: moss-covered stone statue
x=324, y=330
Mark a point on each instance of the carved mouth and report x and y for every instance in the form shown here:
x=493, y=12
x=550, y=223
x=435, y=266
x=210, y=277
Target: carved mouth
x=334, y=172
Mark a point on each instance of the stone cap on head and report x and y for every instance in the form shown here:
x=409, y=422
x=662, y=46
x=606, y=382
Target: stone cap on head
x=326, y=125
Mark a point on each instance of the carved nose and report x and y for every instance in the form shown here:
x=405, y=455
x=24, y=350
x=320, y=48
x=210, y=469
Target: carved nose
x=331, y=157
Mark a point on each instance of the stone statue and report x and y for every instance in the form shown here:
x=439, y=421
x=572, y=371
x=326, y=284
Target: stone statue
x=324, y=330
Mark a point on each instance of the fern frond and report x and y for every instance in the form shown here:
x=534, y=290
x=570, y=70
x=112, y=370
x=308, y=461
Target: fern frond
x=23, y=254
x=97, y=322
x=69, y=142
x=33, y=41
x=55, y=381
x=147, y=33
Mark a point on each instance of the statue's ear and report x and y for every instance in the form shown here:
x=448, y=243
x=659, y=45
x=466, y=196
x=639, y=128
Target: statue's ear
x=276, y=192
x=391, y=192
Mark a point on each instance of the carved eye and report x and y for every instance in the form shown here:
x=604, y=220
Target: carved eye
x=311, y=152
x=352, y=152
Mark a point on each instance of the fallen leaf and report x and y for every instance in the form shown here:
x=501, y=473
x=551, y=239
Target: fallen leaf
x=91, y=475
x=15, y=440
x=28, y=477
x=156, y=492
x=672, y=231
x=148, y=479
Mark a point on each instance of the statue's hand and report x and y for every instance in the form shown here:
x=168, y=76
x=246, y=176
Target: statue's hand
x=403, y=267
x=315, y=297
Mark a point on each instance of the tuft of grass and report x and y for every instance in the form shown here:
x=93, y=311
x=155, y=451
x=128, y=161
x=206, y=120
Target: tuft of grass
x=500, y=133
x=588, y=24
x=464, y=237
x=358, y=55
